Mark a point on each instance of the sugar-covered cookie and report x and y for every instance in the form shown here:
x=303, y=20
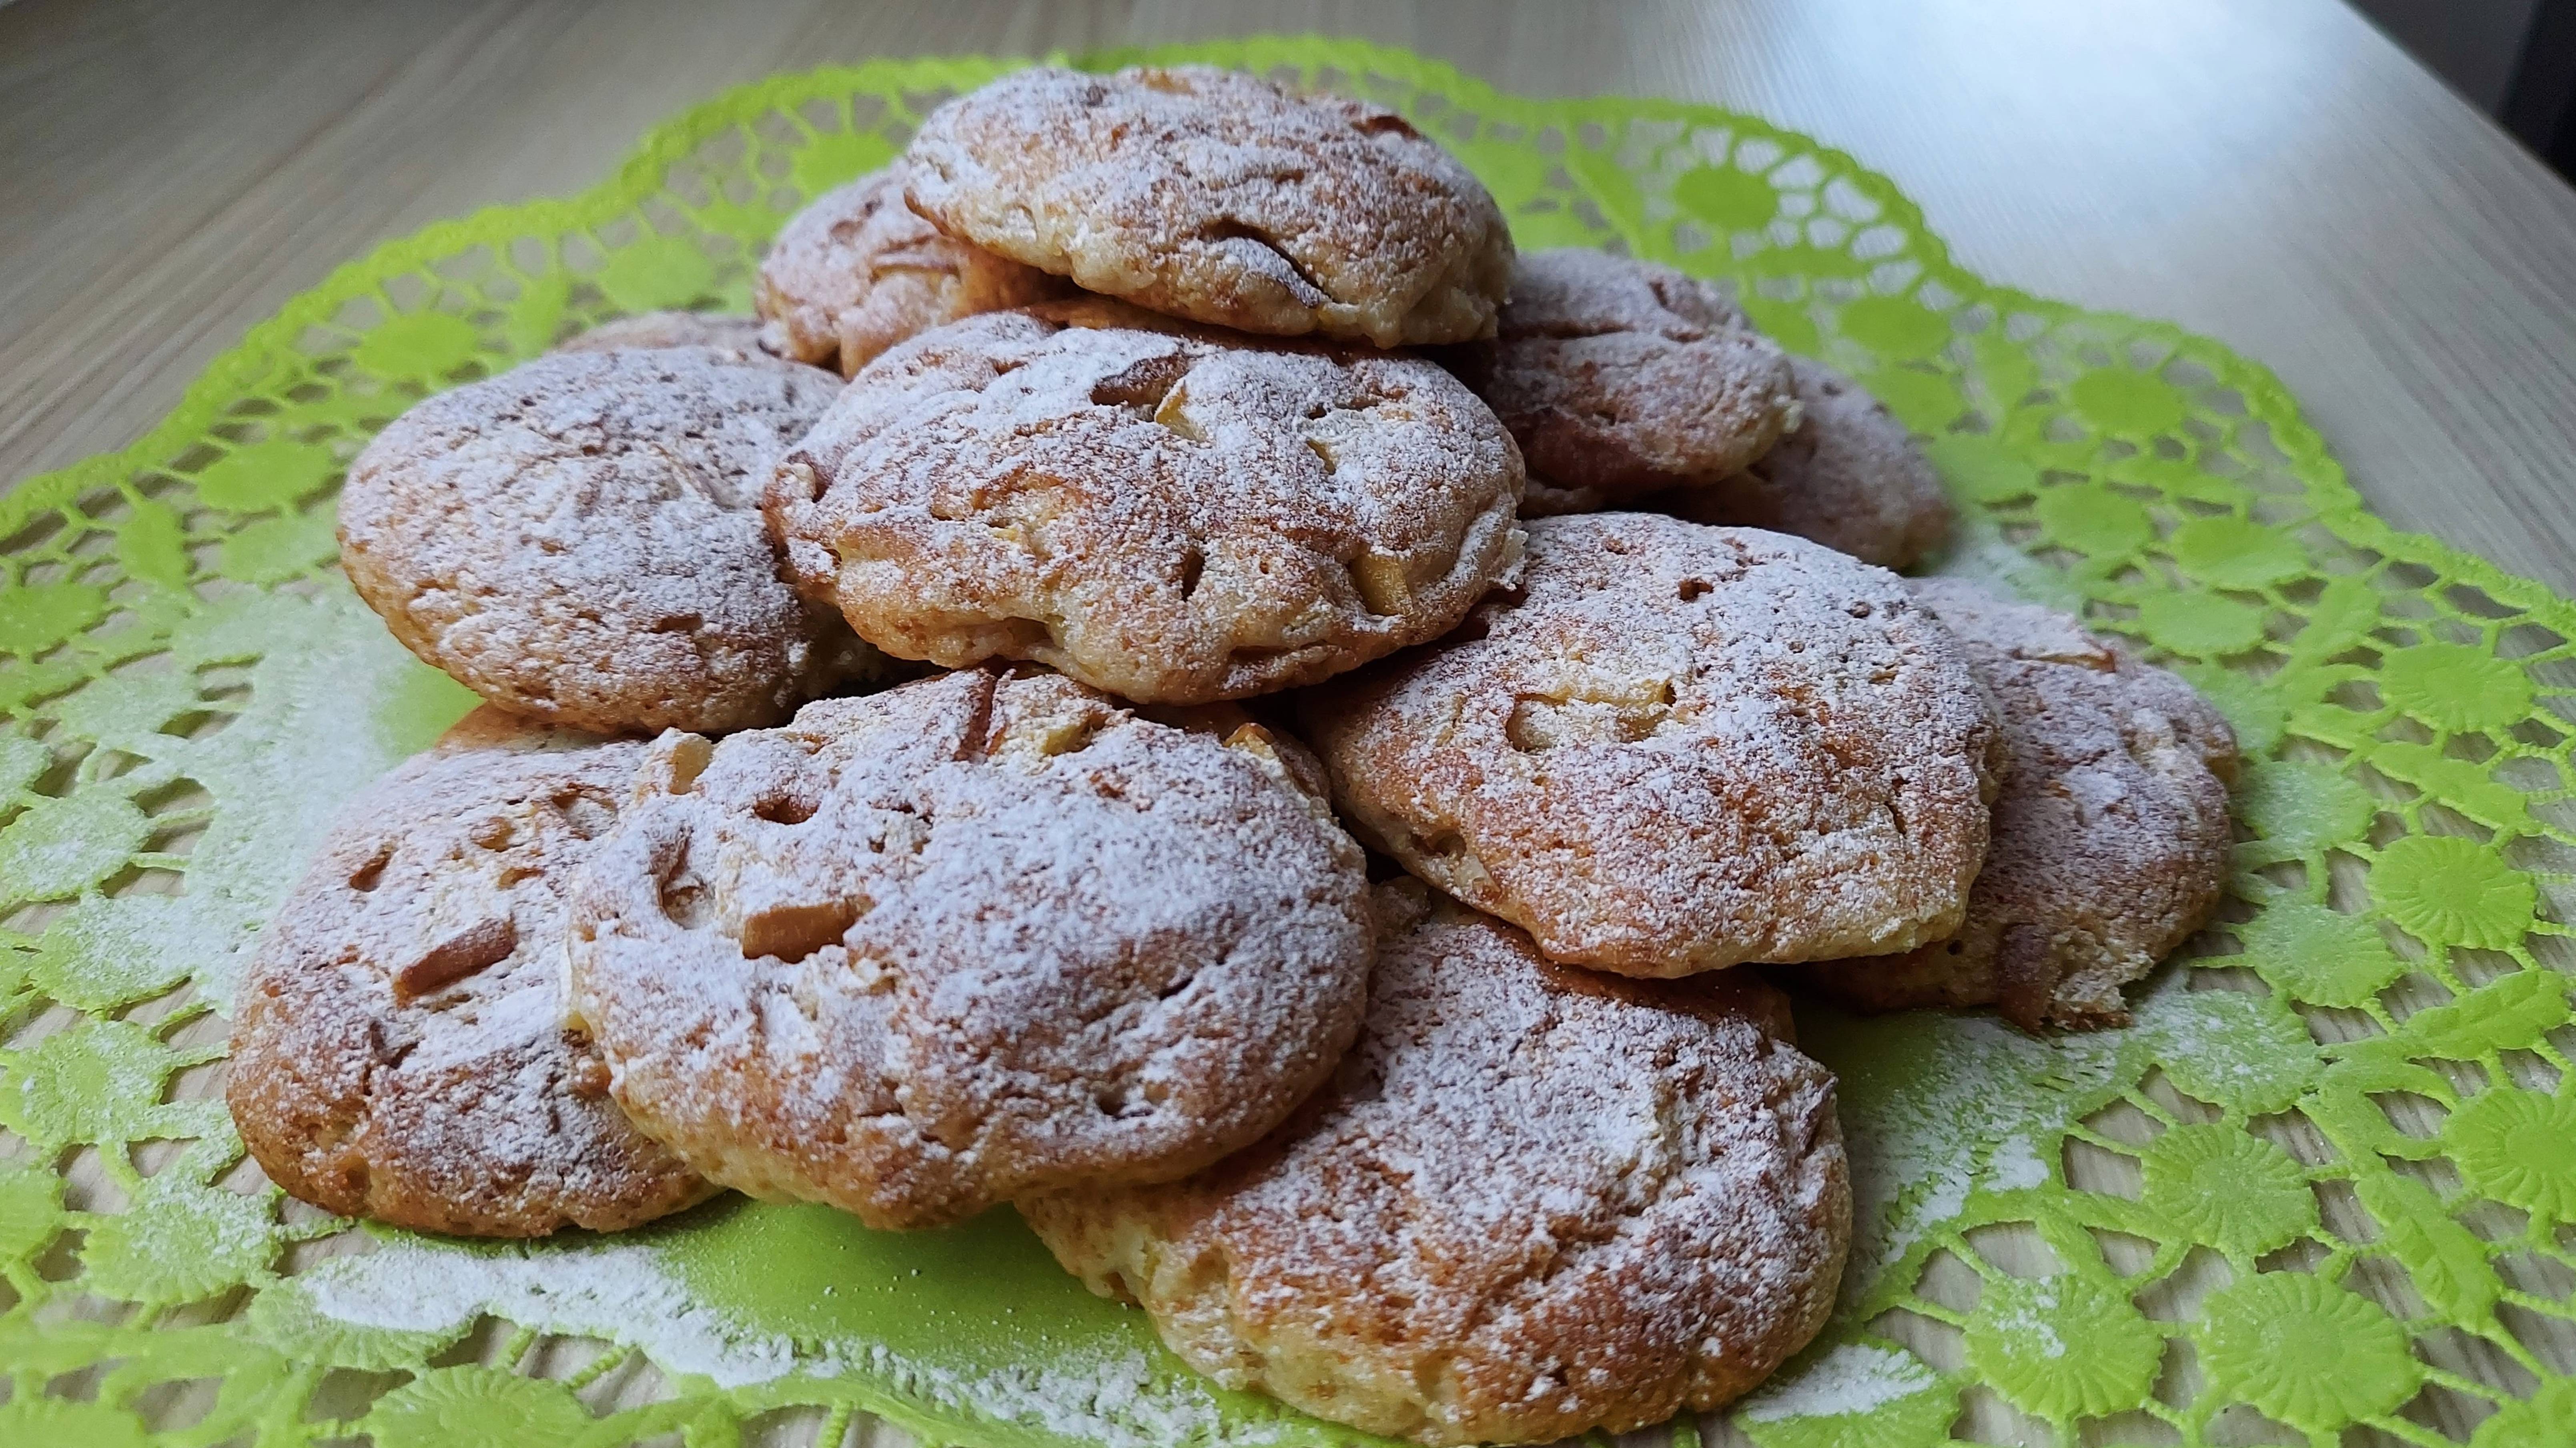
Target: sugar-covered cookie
x=1533, y=1202
x=1216, y=196
x=400, y=1051
x=978, y=935
x=1675, y=748
x=2110, y=838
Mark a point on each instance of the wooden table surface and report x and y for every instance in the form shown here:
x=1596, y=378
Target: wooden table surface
x=2270, y=172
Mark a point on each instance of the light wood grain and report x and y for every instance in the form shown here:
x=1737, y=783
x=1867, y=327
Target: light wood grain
x=2271, y=172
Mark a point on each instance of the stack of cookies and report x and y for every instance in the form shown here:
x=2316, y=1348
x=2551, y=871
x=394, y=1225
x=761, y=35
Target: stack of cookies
x=1256, y=725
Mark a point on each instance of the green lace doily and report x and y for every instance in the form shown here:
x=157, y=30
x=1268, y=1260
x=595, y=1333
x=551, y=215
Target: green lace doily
x=2324, y=1191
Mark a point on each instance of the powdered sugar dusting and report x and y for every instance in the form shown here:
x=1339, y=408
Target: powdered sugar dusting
x=446, y=1098
x=859, y=270
x=1848, y=475
x=1174, y=516
x=2111, y=834
x=1534, y=1201
x=1619, y=377
x=579, y=539
x=1679, y=748
x=1853, y=1379
x=1214, y=195
x=975, y=935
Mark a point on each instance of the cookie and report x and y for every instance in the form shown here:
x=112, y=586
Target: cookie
x=579, y=540
x=859, y=270
x=400, y=1052
x=670, y=329
x=1213, y=195
x=1167, y=512
x=1620, y=378
x=1849, y=476
x=1679, y=748
x=1533, y=1202
x=2111, y=836
x=978, y=935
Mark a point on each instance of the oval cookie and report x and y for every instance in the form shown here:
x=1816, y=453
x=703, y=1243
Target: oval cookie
x=1620, y=378
x=579, y=540
x=2111, y=836
x=859, y=270
x=1212, y=195
x=1169, y=513
x=1679, y=748
x=977, y=935
x=400, y=1052
x=1849, y=476
x=1533, y=1202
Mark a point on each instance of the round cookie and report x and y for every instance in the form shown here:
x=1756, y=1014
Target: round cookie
x=978, y=935
x=1850, y=476
x=859, y=270
x=1620, y=377
x=1680, y=748
x=2111, y=836
x=670, y=329
x=1169, y=513
x=579, y=540
x=1533, y=1202
x=1213, y=195
x=400, y=1052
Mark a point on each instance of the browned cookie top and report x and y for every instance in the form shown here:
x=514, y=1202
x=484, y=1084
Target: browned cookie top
x=2111, y=835
x=977, y=935
x=1164, y=511
x=1621, y=377
x=1679, y=748
x=1849, y=476
x=579, y=539
x=859, y=270
x=1532, y=1202
x=400, y=1052
x=1213, y=195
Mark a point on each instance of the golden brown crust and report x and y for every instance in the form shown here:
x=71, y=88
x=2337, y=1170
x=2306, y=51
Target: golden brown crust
x=579, y=541
x=977, y=935
x=1620, y=377
x=2110, y=839
x=400, y=1051
x=1533, y=1202
x=1217, y=196
x=859, y=270
x=671, y=329
x=1849, y=476
x=1681, y=748
x=1154, y=508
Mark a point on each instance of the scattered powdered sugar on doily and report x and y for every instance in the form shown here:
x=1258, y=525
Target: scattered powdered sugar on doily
x=1852, y=1379
x=622, y=1293
x=2016, y=1166
x=1114, y=1395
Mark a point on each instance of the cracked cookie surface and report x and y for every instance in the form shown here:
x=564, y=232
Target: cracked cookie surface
x=1216, y=196
x=579, y=540
x=978, y=935
x=1677, y=748
x=1619, y=378
x=1532, y=1202
x=1167, y=512
x=2110, y=838
x=400, y=1051
x=1849, y=476
x=859, y=270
